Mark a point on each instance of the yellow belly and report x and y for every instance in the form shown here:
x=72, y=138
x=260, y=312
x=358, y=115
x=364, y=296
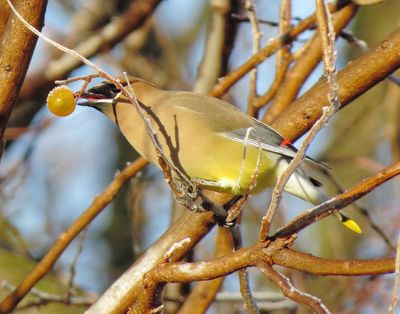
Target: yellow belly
x=228, y=169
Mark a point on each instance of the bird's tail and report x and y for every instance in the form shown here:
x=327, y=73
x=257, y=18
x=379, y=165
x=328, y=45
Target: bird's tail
x=348, y=222
x=307, y=188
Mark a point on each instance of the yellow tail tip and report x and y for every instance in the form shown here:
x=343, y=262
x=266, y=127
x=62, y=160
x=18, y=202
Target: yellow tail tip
x=352, y=225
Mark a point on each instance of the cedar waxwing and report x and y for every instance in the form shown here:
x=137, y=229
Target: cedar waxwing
x=210, y=140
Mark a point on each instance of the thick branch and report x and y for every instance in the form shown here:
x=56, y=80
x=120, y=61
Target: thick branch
x=204, y=293
x=273, y=46
x=214, y=56
x=127, y=294
x=16, y=49
x=355, y=79
x=301, y=70
x=331, y=267
x=274, y=253
x=339, y=201
x=130, y=283
x=268, y=253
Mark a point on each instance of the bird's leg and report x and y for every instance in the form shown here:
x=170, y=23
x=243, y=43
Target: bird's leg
x=178, y=187
x=187, y=194
x=200, y=203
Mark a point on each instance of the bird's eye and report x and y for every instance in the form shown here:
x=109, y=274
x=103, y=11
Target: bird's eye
x=114, y=89
x=106, y=89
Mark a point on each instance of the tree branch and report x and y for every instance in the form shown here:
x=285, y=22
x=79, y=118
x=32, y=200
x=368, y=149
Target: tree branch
x=204, y=293
x=201, y=223
x=355, y=79
x=331, y=267
x=273, y=46
x=301, y=70
x=284, y=284
x=338, y=202
x=16, y=49
x=47, y=262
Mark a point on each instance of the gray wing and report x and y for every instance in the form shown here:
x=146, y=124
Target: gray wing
x=266, y=137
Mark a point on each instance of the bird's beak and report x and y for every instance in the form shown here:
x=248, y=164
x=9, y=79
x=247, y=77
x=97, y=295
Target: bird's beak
x=90, y=99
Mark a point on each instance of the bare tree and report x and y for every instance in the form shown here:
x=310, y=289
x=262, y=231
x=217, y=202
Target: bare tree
x=143, y=49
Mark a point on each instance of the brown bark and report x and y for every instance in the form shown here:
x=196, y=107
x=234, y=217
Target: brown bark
x=16, y=49
x=355, y=79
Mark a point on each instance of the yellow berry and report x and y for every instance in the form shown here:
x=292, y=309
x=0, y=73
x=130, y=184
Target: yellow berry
x=61, y=101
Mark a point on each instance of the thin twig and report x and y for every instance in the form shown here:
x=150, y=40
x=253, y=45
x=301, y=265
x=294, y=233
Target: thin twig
x=166, y=165
x=327, y=32
x=273, y=46
x=164, y=162
x=256, y=38
x=364, y=211
x=349, y=36
x=261, y=21
x=307, y=58
x=395, y=296
x=282, y=56
x=229, y=296
x=105, y=38
x=54, y=43
x=126, y=92
x=45, y=298
x=340, y=201
x=284, y=284
x=72, y=269
x=239, y=18
x=236, y=209
x=47, y=262
x=328, y=39
x=250, y=303
x=284, y=177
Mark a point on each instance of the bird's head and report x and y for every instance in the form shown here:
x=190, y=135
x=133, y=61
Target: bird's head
x=111, y=101
x=105, y=94
x=101, y=96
